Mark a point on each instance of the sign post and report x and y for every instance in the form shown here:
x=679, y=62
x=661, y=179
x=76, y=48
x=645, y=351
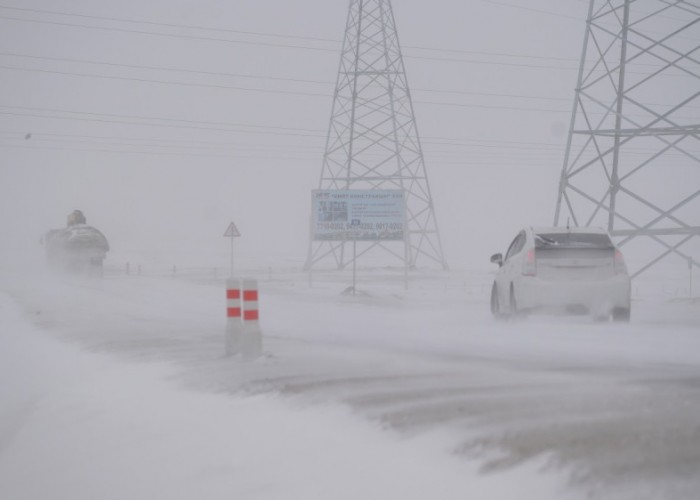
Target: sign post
x=354, y=267
x=232, y=232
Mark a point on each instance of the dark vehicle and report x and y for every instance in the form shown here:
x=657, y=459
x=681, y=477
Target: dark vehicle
x=78, y=248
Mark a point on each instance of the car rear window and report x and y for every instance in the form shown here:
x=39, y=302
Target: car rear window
x=572, y=240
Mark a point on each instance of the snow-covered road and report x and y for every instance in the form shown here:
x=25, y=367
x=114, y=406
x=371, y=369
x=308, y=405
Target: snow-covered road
x=386, y=394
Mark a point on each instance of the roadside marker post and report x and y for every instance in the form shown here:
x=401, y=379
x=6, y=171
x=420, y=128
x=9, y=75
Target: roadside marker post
x=251, y=337
x=234, y=326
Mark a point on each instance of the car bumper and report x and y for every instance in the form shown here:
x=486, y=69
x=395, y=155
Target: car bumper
x=598, y=297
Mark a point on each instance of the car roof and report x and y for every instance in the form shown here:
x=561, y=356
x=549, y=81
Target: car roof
x=563, y=230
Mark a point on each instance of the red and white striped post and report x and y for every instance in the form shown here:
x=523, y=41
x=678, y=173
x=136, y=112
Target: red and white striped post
x=234, y=327
x=251, y=337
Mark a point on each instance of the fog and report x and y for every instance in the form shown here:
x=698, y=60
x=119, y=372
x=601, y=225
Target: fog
x=233, y=126
x=165, y=121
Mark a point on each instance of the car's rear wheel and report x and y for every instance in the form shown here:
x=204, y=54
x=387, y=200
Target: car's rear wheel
x=513, y=303
x=515, y=313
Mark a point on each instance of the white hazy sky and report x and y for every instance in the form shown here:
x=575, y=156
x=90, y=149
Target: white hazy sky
x=165, y=120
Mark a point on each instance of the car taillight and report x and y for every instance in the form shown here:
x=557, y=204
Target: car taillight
x=619, y=262
x=529, y=264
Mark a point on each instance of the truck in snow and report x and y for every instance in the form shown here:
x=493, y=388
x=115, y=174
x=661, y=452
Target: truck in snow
x=77, y=248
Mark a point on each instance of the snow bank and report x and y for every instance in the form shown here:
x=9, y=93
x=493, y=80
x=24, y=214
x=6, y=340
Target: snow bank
x=82, y=426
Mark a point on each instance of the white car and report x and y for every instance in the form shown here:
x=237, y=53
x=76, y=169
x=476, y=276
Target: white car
x=570, y=270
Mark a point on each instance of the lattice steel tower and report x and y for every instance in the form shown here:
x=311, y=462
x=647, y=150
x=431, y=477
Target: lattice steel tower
x=373, y=140
x=632, y=160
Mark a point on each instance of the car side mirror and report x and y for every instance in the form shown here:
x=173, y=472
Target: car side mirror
x=497, y=258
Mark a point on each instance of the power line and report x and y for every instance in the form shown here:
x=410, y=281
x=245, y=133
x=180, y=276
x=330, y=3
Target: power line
x=157, y=142
x=448, y=141
x=274, y=35
x=155, y=118
x=529, y=147
x=274, y=91
x=165, y=82
x=468, y=159
x=234, y=75
x=253, y=89
x=289, y=92
x=494, y=63
x=530, y=9
x=163, y=68
x=169, y=35
x=472, y=150
x=294, y=37
x=235, y=152
x=152, y=153
x=165, y=125
x=306, y=47
x=168, y=25
x=219, y=73
x=556, y=14
x=426, y=139
x=32, y=112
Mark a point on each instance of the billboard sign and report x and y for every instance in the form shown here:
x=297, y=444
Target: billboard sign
x=358, y=215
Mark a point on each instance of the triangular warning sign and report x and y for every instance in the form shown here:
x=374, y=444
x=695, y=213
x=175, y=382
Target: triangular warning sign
x=232, y=231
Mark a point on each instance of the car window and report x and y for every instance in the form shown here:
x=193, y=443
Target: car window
x=521, y=243
x=511, y=248
x=572, y=240
x=517, y=245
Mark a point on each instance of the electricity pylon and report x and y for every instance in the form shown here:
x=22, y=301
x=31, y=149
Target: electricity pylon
x=632, y=160
x=373, y=140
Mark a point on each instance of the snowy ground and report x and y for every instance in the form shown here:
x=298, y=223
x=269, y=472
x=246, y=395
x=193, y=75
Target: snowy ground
x=119, y=389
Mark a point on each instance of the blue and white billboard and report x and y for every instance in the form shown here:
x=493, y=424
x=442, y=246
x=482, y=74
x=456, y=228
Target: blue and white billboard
x=358, y=215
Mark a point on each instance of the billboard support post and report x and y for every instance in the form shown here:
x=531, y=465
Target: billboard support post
x=354, y=267
x=405, y=265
